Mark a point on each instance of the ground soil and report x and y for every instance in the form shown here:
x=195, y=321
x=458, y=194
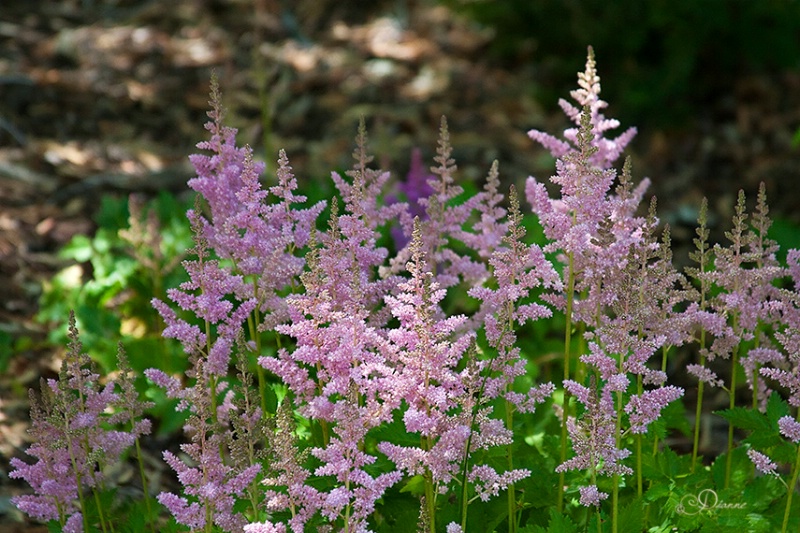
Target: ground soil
x=102, y=98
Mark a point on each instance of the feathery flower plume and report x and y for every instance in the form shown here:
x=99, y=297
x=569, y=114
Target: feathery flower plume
x=72, y=441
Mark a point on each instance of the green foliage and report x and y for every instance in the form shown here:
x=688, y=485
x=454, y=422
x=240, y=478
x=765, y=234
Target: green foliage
x=787, y=234
x=113, y=277
x=109, y=284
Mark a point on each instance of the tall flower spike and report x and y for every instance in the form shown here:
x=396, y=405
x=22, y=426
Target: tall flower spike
x=587, y=96
x=212, y=487
x=338, y=367
x=71, y=445
x=593, y=438
x=445, y=220
x=426, y=375
x=361, y=195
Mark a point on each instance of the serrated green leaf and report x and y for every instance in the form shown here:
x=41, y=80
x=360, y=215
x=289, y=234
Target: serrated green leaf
x=777, y=407
x=745, y=418
x=415, y=485
x=559, y=523
x=631, y=517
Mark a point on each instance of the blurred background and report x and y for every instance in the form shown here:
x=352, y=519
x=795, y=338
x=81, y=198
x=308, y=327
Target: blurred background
x=100, y=100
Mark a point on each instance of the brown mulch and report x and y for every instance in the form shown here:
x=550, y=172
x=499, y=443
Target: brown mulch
x=109, y=98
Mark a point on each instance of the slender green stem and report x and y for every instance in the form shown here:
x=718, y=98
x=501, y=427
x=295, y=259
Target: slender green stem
x=790, y=491
x=512, y=496
x=79, y=482
x=731, y=405
x=430, y=492
x=100, y=515
x=638, y=439
x=698, y=413
x=567, y=355
x=145, y=489
x=615, y=478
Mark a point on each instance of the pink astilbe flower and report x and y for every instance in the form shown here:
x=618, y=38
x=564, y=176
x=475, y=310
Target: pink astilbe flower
x=445, y=221
x=587, y=96
x=518, y=269
x=618, y=283
x=287, y=482
x=788, y=376
x=743, y=275
x=255, y=231
x=764, y=464
x=211, y=488
x=264, y=527
x=425, y=376
x=488, y=483
x=362, y=193
x=593, y=228
x=350, y=252
x=72, y=444
x=789, y=428
x=705, y=375
x=645, y=408
x=489, y=231
x=338, y=371
x=452, y=527
x=594, y=434
x=591, y=496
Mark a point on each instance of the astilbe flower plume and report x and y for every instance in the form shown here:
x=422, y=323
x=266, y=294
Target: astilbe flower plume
x=618, y=287
x=73, y=439
x=358, y=255
x=518, y=269
x=440, y=398
x=256, y=230
x=587, y=96
x=592, y=227
x=244, y=264
x=594, y=437
x=743, y=278
x=212, y=486
x=338, y=368
x=444, y=223
x=425, y=374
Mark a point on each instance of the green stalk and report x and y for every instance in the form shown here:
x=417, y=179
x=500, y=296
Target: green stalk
x=100, y=511
x=252, y=325
x=567, y=341
x=615, y=478
x=512, y=501
x=699, y=408
x=465, y=462
x=638, y=439
x=77, y=479
x=430, y=492
x=790, y=490
x=731, y=405
x=146, y=491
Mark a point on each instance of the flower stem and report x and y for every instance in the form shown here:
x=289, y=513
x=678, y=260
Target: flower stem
x=790, y=491
x=565, y=406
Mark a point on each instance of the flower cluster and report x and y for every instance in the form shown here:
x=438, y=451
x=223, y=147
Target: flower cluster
x=380, y=373
x=74, y=439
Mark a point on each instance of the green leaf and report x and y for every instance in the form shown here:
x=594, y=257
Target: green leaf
x=631, y=517
x=559, y=523
x=415, y=486
x=745, y=418
x=396, y=513
x=777, y=408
